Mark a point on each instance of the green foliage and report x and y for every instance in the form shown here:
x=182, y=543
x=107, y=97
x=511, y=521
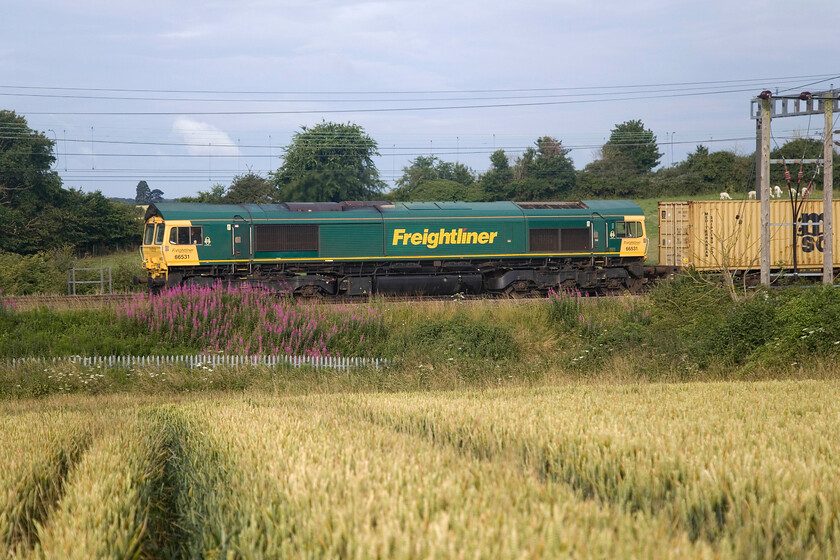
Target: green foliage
x=633, y=140
x=90, y=332
x=427, y=168
x=37, y=214
x=329, y=162
x=26, y=180
x=564, y=308
x=612, y=177
x=250, y=188
x=800, y=148
x=496, y=182
x=544, y=172
x=430, y=179
x=436, y=190
x=807, y=322
x=717, y=171
x=40, y=273
x=216, y=195
x=461, y=337
x=745, y=326
x=45, y=272
x=143, y=193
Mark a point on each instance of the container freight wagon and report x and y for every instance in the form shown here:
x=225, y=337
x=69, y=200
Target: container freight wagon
x=357, y=248
x=726, y=235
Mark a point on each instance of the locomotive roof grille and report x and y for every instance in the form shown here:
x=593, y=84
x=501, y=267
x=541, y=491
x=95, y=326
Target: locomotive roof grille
x=551, y=205
x=335, y=206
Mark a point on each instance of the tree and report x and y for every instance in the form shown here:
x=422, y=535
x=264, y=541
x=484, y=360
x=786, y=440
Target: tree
x=637, y=143
x=250, y=188
x=711, y=172
x=612, y=177
x=216, y=195
x=329, y=162
x=37, y=214
x=436, y=190
x=155, y=196
x=496, y=183
x=800, y=148
x=543, y=173
x=425, y=169
x=143, y=193
x=28, y=187
x=26, y=180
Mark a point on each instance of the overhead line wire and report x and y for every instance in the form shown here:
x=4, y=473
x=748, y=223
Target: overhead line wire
x=374, y=92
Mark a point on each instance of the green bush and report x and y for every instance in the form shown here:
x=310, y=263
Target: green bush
x=746, y=326
x=461, y=337
x=41, y=273
x=807, y=322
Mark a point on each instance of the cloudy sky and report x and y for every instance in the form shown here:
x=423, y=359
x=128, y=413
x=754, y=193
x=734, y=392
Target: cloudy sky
x=186, y=94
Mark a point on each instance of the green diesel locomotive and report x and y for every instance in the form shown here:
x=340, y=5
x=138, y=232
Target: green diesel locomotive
x=433, y=248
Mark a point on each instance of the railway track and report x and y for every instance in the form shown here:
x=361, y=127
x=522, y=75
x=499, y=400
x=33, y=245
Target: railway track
x=65, y=302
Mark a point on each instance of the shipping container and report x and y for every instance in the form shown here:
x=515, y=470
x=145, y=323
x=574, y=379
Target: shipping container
x=726, y=234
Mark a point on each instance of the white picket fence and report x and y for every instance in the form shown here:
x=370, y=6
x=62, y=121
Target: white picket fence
x=209, y=360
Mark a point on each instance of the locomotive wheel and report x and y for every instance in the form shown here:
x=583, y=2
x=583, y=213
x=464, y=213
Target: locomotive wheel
x=635, y=285
x=310, y=292
x=518, y=290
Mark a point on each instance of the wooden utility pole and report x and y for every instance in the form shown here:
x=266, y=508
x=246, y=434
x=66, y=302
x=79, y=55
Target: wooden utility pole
x=764, y=188
x=763, y=108
x=828, y=188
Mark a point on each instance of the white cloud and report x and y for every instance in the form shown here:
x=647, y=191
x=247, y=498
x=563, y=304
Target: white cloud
x=203, y=138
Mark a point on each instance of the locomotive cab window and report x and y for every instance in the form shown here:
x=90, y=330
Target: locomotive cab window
x=628, y=229
x=186, y=236
x=159, y=234
x=149, y=234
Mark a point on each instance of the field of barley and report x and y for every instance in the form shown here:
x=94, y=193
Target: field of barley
x=582, y=470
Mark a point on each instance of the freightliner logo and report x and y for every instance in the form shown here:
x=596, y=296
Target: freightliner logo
x=443, y=237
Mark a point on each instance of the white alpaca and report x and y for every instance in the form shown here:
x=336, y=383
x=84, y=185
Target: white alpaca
x=725, y=196
x=751, y=194
x=777, y=192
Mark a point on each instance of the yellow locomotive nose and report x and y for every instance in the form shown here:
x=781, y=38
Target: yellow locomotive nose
x=151, y=252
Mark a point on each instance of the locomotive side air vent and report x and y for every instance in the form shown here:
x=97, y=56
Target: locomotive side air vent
x=281, y=238
x=551, y=205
